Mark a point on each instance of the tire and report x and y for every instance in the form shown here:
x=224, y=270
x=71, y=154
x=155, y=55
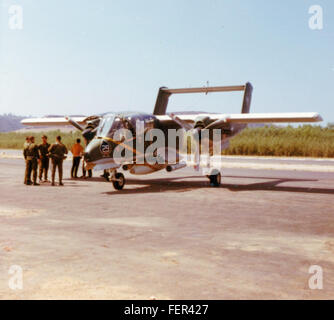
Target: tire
x=120, y=182
x=215, y=180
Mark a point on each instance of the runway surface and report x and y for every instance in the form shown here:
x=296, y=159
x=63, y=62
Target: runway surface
x=169, y=235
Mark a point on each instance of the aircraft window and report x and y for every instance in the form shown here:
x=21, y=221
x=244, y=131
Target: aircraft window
x=101, y=126
x=116, y=125
x=106, y=126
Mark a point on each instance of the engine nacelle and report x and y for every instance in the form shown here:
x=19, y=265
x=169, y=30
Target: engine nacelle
x=91, y=129
x=201, y=122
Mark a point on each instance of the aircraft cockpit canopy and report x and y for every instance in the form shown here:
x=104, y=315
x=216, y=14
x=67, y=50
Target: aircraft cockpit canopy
x=112, y=123
x=105, y=125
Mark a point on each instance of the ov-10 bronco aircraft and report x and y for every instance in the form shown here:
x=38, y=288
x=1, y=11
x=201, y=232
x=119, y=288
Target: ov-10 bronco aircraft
x=110, y=137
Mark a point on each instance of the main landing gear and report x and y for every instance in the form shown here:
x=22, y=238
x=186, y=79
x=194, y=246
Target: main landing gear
x=215, y=178
x=117, y=179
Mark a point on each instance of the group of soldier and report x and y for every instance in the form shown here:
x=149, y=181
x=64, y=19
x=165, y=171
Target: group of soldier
x=39, y=155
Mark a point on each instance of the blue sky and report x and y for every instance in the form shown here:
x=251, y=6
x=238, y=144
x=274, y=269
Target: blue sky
x=84, y=57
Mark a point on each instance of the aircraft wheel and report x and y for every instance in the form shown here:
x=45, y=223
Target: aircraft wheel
x=215, y=179
x=119, y=181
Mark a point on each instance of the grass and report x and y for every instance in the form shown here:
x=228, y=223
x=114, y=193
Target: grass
x=15, y=140
x=303, y=141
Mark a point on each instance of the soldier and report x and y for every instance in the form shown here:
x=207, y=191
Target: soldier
x=57, y=153
x=90, y=172
x=25, y=146
x=77, y=151
x=31, y=154
x=105, y=175
x=44, y=159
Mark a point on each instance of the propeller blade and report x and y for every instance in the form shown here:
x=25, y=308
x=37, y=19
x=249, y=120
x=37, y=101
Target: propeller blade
x=183, y=124
x=74, y=123
x=217, y=123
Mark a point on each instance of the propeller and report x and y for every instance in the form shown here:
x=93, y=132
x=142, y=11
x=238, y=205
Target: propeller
x=89, y=131
x=196, y=131
x=187, y=126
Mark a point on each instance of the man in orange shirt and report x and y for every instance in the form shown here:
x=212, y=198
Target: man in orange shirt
x=77, y=151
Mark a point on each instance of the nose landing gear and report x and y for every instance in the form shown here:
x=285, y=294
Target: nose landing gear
x=117, y=179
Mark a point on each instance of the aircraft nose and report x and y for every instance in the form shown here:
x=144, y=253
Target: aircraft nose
x=93, y=151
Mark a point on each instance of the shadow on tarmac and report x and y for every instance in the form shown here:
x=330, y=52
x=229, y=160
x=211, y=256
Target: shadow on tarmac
x=171, y=184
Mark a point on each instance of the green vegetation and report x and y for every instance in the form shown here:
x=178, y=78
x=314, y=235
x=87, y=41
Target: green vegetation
x=304, y=141
x=15, y=140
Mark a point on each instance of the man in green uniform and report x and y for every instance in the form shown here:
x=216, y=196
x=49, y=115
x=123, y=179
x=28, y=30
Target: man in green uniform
x=25, y=146
x=44, y=159
x=31, y=154
x=57, y=153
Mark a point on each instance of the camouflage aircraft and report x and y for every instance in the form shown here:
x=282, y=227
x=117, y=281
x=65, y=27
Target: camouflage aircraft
x=128, y=141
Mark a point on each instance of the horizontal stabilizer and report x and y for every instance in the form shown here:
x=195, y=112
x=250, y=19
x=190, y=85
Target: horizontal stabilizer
x=164, y=94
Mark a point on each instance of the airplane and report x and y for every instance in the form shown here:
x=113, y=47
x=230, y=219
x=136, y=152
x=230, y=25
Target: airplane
x=102, y=134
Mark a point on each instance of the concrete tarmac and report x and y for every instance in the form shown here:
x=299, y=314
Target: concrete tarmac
x=168, y=235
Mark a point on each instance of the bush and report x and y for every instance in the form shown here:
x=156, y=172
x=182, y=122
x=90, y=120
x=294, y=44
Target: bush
x=15, y=140
x=303, y=141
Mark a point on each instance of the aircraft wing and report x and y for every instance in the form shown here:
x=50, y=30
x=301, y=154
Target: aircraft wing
x=274, y=117
x=52, y=121
x=218, y=120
